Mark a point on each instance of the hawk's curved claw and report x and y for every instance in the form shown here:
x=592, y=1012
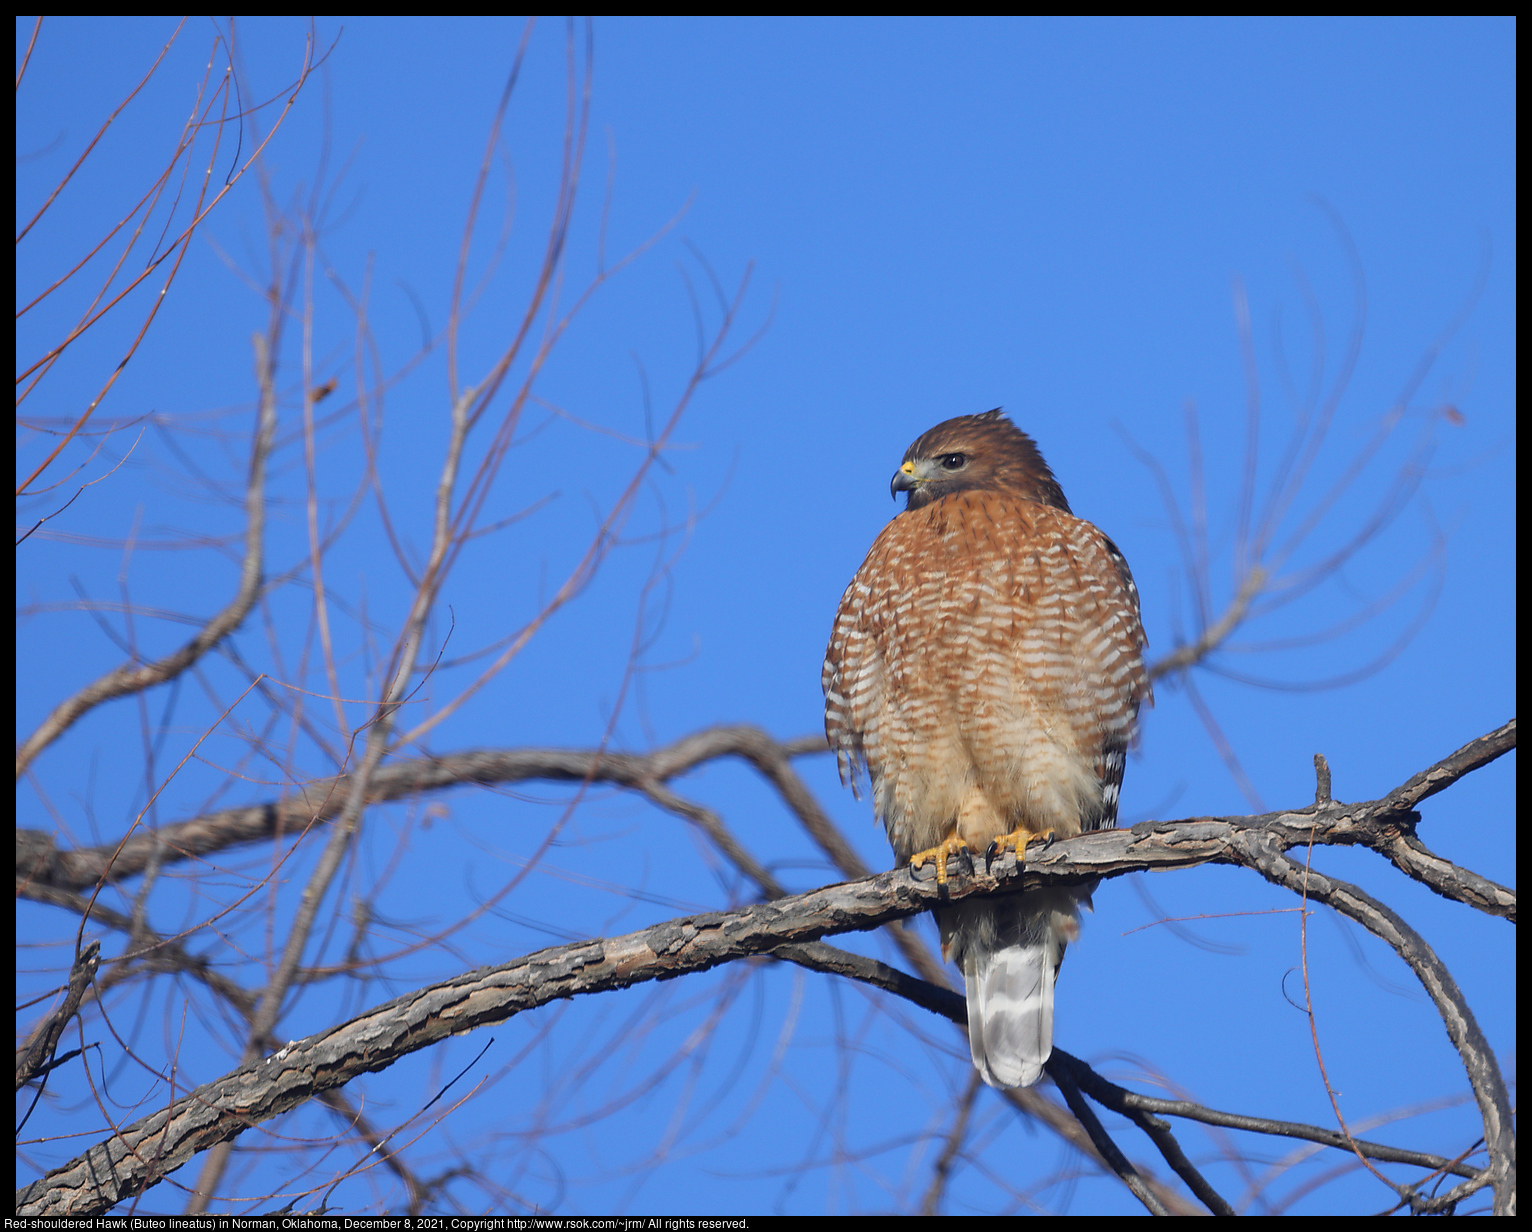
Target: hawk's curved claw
x=1017, y=841
x=949, y=846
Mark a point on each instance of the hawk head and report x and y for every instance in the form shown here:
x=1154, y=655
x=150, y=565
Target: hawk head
x=986, y=452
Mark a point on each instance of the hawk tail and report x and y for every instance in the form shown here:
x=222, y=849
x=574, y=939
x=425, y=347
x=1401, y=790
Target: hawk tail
x=1010, y=951
x=1010, y=1010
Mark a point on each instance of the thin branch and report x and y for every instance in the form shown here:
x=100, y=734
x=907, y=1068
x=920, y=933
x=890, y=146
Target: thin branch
x=1251, y=586
x=941, y=1170
x=46, y=1038
x=1462, y=1028
x=179, y=247
x=1109, y=1150
x=945, y=1003
x=1127, y=1102
x=135, y=677
x=321, y=800
x=1386, y=825
x=1113, y=1097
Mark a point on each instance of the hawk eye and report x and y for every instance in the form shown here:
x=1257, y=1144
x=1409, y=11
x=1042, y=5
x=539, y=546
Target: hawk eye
x=954, y=461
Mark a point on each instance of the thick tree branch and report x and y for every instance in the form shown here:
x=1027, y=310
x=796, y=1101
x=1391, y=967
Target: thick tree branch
x=1449, y=770
x=1386, y=825
x=140, y=1154
x=161, y=954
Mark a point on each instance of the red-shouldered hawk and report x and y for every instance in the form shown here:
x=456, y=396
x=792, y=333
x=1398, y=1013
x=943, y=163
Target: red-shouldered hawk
x=986, y=670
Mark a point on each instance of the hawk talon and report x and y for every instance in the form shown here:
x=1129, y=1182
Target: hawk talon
x=1018, y=840
x=949, y=846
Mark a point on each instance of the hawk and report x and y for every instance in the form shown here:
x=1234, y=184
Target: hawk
x=985, y=672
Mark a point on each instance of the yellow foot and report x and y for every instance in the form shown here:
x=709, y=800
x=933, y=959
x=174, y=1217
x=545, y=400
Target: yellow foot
x=1017, y=841
x=950, y=845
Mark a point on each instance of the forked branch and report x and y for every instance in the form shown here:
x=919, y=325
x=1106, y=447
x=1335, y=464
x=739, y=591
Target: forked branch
x=142, y=1153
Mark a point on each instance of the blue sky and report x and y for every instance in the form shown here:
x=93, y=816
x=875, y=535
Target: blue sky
x=938, y=217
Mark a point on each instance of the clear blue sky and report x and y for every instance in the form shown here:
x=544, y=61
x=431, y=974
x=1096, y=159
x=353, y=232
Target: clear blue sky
x=941, y=216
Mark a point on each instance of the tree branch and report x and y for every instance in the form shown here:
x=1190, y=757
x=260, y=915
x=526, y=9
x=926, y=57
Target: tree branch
x=1462, y=1028
x=1109, y=1150
x=1386, y=825
x=139, y=1155
x=135, y=677
x=45, y=1039
x=321, y=800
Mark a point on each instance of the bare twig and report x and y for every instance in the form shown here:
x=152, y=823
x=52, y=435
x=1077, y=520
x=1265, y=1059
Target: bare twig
x=1462, y=1028
x=941, y=1170
x=135, y=677
x=174, y=252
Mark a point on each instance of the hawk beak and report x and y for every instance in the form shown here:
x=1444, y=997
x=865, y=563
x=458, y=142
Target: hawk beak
x=904, y=480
